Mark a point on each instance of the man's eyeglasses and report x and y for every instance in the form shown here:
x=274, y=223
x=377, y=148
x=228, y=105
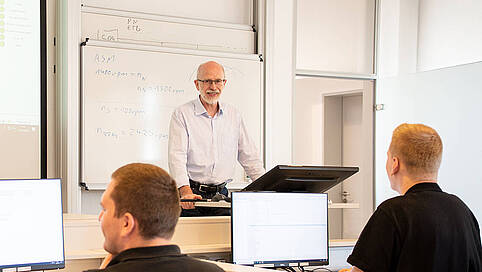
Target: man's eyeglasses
x=217, y=82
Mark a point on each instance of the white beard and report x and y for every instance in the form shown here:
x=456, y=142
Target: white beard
x=211, y=101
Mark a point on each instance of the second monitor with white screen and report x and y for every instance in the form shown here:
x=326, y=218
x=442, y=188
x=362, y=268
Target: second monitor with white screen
x=32, y=229
x=279, y=229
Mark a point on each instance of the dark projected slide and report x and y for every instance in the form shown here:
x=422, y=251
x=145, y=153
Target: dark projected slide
x=20, y=88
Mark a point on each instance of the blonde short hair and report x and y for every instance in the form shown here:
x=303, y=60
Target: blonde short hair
x=418, y=146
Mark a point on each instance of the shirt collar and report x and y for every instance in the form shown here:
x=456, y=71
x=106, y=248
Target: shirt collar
x=221, y=107
x=145, y=252
x=424, y=186
x=199, y=108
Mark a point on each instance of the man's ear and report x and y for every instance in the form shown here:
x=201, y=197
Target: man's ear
x=196, y=82
x=129, y=224
x=395, y=167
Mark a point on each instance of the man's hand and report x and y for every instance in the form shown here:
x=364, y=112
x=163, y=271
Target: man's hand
x=186, y=193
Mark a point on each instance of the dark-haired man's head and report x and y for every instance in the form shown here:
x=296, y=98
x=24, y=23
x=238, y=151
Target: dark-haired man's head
x=140, y=207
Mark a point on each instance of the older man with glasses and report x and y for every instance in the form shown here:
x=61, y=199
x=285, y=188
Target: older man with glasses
x=206, y=137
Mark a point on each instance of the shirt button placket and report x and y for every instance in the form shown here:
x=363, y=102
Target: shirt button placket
x=214, y=145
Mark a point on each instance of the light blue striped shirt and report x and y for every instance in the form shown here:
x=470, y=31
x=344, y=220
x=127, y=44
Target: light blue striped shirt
x=205, y=148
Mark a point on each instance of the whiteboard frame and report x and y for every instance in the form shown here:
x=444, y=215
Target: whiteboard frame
x=160, y=31
x=163, y=18
x=90, y=42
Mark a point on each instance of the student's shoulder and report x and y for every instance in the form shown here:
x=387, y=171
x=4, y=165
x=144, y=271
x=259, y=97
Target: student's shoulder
x=391, y=206
x=114, y=268
x=205, y=266
x=394, y=201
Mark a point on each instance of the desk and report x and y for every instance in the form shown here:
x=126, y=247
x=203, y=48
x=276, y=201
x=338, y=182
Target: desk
x=220, y=204
x=239, y=268
x=194, y=235
x=224, y=204
x=197, y=235
x=83, y=236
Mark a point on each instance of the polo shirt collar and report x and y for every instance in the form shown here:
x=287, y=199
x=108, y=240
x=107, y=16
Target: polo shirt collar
x=145, y=252
x=199, y=108
x=424, y=186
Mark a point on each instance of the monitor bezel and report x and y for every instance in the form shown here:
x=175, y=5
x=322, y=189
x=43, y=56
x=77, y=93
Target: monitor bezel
x=43, y=265
x=282, y=263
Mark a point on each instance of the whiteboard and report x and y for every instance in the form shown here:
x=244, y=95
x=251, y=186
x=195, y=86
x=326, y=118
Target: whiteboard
x=449, y=100
x=128, y=96
x=152, y=30
x=228, y=11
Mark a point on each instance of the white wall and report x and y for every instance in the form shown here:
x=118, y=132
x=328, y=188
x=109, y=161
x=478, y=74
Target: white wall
x=335, y=36
x=398, y=37
x=333, y=125
x=448, y=99
x=450, y=33
x=308, y=116
x=421, y=35
x=279, y=81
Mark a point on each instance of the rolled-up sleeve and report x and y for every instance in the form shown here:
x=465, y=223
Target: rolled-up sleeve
x=177, y=149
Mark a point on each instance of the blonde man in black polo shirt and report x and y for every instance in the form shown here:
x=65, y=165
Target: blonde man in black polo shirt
x=140, y=210
x=423, y=229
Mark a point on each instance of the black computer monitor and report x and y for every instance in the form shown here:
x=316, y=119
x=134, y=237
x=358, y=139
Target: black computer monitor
x=32, y=225
x=313, y=179
x=271, y=229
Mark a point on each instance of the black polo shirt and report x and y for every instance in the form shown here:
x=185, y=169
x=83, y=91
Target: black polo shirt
x=423, y=230
x=154, y=259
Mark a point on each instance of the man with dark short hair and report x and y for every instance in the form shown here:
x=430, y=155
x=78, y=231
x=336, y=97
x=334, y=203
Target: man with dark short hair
x=140, y=210
x=423, y=229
